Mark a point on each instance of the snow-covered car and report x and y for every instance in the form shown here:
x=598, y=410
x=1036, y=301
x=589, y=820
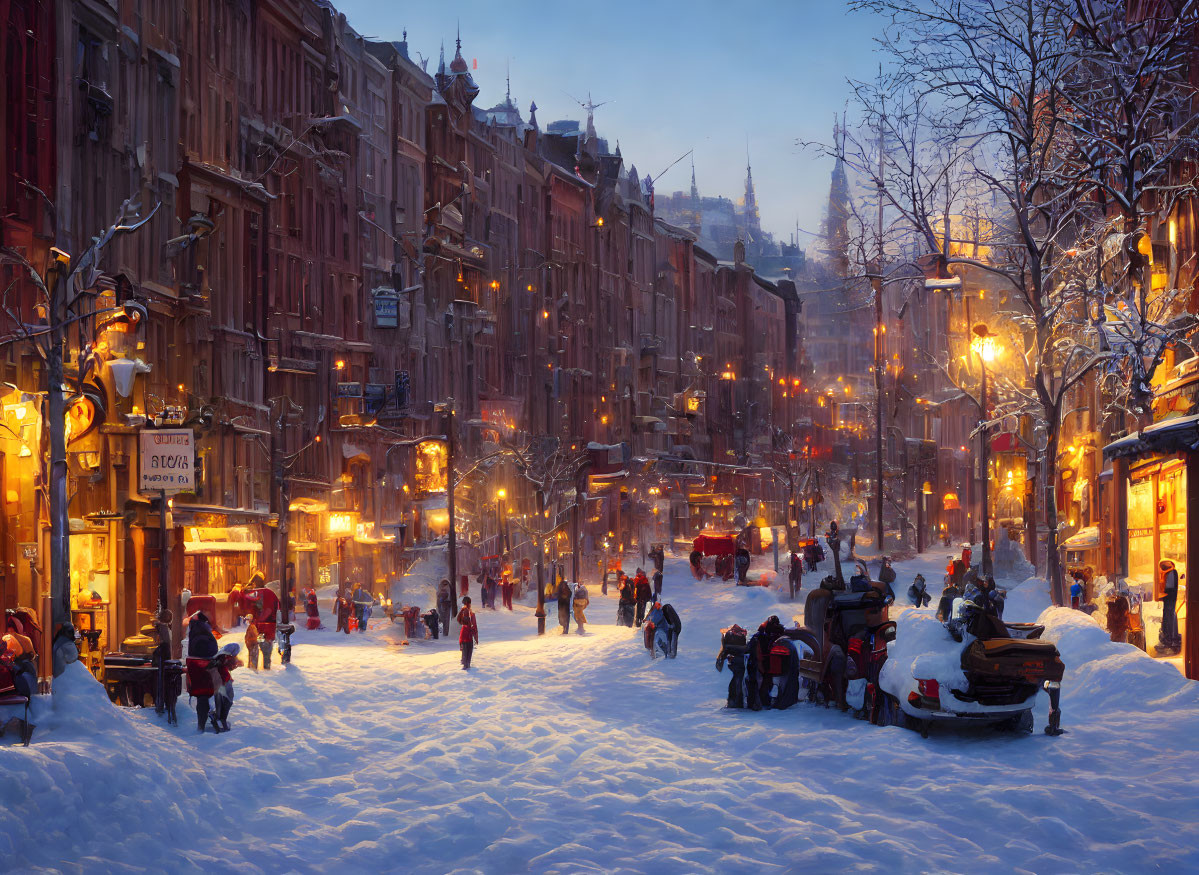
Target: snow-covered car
x=976, y=670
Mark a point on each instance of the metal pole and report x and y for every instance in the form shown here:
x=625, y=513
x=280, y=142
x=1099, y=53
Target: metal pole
x=164, y=560
x=449, y=491
x=920, y=511
x=985, y=459
x=877, y=282
x=540, y=614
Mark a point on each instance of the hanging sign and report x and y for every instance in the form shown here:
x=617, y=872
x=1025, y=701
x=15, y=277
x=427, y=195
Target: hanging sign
x=387, y=311
x=167, y=460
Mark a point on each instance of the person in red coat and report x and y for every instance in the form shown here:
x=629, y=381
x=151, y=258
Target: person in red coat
x=468, y=634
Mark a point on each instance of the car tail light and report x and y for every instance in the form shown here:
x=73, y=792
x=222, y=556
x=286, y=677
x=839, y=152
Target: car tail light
x=929, y=689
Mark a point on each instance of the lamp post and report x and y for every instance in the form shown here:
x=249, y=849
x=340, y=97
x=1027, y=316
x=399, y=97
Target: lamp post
x=986, y=347
x=500, y=539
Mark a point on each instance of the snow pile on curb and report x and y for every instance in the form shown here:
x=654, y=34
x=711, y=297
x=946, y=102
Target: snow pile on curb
x=1027, y=600
x=104, y=782
x=1104, y=677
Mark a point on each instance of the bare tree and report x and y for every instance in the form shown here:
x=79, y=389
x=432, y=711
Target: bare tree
x=549, y=468
x=60, y=291
x=1133, y=128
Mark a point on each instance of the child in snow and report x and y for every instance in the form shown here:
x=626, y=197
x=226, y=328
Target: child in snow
x=468, y=635
x=226, y=660
x=251, y=641
x=581, y=601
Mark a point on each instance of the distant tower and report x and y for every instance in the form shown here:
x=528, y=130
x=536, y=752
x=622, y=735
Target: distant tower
x=753, y=222
x=695, y=212
x=836, y=223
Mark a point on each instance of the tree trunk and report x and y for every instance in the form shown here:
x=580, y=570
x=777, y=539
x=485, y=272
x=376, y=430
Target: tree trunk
x=60, y=555
x=1053, y=559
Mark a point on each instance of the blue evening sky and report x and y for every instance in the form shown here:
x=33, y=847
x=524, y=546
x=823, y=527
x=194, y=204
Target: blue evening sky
x=678, y=74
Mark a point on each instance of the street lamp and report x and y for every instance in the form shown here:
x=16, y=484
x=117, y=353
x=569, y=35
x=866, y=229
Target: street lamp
x=501, y=540
x=986, y=346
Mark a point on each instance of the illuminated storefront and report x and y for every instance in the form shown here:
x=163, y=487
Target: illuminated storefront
x=1161, y=483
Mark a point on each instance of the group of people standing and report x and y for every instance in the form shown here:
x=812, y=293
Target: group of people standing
x=633, y=594
x=571, y=600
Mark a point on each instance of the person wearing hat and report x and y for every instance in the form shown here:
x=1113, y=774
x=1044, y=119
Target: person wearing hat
x=468, y=633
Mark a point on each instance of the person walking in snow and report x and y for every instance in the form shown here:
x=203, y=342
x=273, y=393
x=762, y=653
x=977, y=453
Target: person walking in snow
x=643, y=594
x=742, y=564
x=201, y=648
x=657, y=580
x=506, y=584
x=344, y=607
x=563, y=594
x=795, y=576
x=468, y=634
x=581, y=601
x=626, y=599
x=362, y=606
x=445, y=605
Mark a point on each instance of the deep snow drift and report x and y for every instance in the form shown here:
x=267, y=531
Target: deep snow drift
x=577, y=753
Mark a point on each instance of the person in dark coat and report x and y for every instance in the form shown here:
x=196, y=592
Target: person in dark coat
x=1169, y=641
x=643, y=594
x=445, y=605
x=627, y=598
x=344, y=607
x=742, y=564
x=657, y=582
x=795, y=579
x=562, y=593
x=733, y=650
x=675, y=625
x=886, y=576
x=659, y=557
x=468, y=634
x=918, y=592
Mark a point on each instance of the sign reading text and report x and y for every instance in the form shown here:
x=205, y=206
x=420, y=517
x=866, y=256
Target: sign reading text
x=167, y=460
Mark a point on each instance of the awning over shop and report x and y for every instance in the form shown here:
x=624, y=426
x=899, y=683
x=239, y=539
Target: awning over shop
x=222, y=547
x=1177, y=435
x=1086, y=538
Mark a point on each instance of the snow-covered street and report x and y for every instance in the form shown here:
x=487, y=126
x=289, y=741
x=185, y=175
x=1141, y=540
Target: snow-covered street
x=579, y=753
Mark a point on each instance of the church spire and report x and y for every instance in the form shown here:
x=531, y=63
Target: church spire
x=752, y=220
x=836, y=221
